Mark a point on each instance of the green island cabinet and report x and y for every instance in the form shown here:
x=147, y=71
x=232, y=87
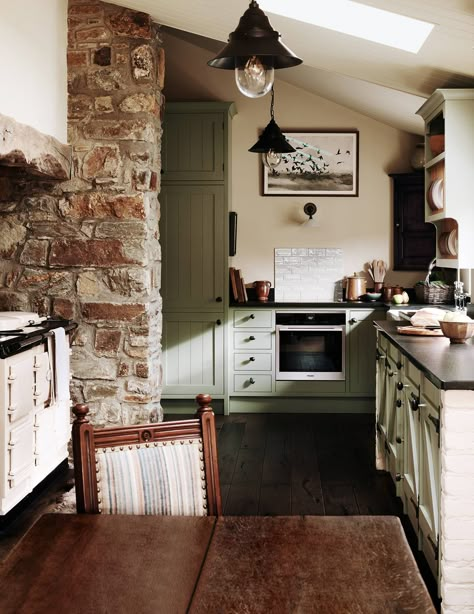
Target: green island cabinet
x=194, y=202
x=408, y=410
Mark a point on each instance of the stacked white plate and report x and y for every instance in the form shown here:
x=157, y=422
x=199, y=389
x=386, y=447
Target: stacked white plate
x=435, y=196
x=14, y=320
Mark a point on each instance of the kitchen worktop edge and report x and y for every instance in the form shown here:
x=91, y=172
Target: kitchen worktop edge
x=448, y=366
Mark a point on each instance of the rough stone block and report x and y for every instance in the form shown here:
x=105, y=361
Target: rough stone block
x=127, y=282
x=125, y=312
x=35, y=252
x=86, y=366
x=131, y=24
x=123, y=369
x=87, y=284
x=107, y=342
x=78, y=253
x=57, y=282
x=141, y=370
x=103, y=104
x=101, y=205
x=63, y=308
x=107, y=79
x=77, y=59
x=102, y=161
x=79, y=106
x=142, y=63
x=161, y=68
x=96, y=34
x=139, y=103
x=88, y=10
x=12, y=234
x=123, y=130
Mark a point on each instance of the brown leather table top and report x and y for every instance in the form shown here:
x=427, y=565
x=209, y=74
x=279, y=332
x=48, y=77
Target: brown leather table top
x=320, y=564
x=91, y=564
x=142, y=564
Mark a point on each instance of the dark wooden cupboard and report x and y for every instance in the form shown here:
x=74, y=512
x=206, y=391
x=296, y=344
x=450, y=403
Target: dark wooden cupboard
x=414, y=240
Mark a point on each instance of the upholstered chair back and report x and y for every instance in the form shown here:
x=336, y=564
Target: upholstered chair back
x=167, y=468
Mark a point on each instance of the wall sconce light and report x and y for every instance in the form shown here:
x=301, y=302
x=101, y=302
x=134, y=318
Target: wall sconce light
x=310, y=210
x=254, y=52
x=272, y=142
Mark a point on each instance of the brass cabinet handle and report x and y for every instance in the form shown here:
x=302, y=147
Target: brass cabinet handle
x=252, y=359
x=219, y=299
x=251, y=381
x=252, y=316
x=218, y=322
x=251, y=338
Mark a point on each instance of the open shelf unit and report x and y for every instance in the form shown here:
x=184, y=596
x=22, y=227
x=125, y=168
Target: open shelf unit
x=449, y=190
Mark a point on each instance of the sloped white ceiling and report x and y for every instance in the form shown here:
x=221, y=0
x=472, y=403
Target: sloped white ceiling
x=373, y=79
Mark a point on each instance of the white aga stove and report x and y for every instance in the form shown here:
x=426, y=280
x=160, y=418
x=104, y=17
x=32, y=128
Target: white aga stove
x=34, y=402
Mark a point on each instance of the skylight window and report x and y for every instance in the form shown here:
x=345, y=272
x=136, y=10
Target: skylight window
x=356, y=19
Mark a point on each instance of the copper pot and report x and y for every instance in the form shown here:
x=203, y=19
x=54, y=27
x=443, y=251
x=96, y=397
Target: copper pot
x=356, y=286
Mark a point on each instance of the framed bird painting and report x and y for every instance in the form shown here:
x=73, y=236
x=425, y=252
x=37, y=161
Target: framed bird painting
x=323, y=164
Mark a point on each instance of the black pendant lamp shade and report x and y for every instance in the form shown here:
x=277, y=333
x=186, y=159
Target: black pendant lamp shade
x=254, y=36
x=272, y=138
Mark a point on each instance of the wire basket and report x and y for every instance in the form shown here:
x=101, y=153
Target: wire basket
x=434, y=294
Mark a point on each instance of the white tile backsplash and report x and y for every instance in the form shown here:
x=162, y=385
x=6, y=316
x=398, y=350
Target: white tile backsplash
x=308, y=274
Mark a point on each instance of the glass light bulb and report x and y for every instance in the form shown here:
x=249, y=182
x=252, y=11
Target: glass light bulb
x=271, y=159
x=253, y=78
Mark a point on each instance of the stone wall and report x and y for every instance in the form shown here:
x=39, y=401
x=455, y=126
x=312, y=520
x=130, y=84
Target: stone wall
x=88, y=248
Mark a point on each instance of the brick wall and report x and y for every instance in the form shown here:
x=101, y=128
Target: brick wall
x=457, y=502
x=88, y=248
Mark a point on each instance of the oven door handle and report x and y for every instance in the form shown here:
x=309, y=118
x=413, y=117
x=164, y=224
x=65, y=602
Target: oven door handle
x=317, y=327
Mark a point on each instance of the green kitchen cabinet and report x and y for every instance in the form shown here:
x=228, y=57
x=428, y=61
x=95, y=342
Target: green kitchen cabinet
x=195, y=141
x=194, y=205
x=361, y=345
x=193, y=354
x=192, y=234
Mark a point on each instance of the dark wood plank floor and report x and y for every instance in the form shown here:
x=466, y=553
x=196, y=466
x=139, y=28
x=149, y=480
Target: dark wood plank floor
x=274, y=464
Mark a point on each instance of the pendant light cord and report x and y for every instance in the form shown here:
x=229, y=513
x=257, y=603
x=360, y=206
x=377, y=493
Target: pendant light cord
x=272, y=104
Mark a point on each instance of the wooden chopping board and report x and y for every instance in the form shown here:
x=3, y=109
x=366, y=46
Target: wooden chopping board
x=420, y=330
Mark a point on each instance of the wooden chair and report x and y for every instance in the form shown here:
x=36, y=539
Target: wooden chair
x=167, y=468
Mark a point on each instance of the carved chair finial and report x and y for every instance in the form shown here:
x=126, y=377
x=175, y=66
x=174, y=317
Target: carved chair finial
x=80, y=410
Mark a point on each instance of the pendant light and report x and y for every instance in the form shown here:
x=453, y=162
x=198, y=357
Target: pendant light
x=272, y=142
x=254, y=51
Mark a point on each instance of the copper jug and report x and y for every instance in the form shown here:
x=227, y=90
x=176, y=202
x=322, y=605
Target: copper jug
x=356, y=286
x=263, y=290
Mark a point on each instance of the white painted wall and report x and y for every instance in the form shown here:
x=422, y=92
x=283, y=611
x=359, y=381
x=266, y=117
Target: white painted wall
x=33, y=80
x=361, y=226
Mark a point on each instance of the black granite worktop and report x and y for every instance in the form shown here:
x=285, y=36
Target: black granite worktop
x=448, y=366
x=250, y=304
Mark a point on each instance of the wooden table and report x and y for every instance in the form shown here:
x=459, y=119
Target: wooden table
x=140, y=564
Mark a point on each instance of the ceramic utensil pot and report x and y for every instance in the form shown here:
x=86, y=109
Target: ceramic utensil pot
x=356, y=286
x=263, y=289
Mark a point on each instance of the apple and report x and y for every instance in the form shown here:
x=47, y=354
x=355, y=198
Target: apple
x=405, y=297
x=397, y=299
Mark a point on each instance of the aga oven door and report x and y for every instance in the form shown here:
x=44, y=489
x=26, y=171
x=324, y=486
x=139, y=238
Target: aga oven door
x=310, y=352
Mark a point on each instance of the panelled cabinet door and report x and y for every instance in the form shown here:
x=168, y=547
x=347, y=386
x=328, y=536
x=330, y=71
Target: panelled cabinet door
x=193, y=352
x=411, y=472
x=429, y=482
x=361, y=343
x=380, y=404
x=20, y=386
x=193, y=243
x=193, y=147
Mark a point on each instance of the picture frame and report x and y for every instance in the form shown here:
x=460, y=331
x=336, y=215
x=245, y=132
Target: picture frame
x=325, y=163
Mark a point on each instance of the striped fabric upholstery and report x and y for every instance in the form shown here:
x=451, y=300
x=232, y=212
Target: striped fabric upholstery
x=160, y=478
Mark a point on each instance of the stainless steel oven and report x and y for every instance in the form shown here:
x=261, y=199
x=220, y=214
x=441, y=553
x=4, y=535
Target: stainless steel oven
x=310, y=345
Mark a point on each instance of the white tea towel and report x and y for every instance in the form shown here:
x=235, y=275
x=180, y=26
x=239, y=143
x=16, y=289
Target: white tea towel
x=61, y=364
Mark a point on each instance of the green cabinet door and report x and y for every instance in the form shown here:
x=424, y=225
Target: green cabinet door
x=193, y=354
x=193, y=246
x=193, y=147
x=361, y=345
